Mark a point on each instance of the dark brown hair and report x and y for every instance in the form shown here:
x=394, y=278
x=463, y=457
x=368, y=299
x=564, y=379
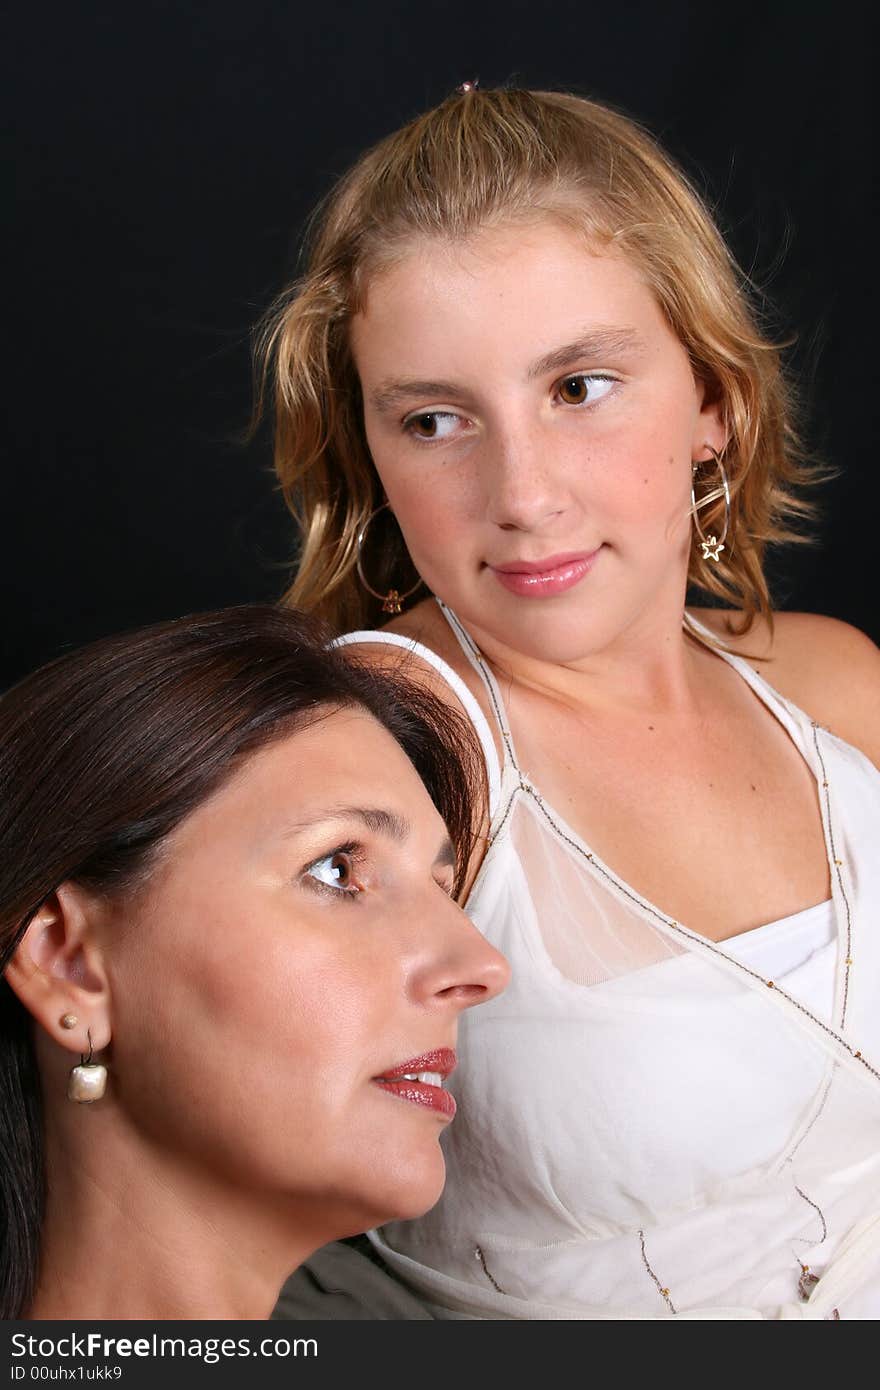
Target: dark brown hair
x=106, y=750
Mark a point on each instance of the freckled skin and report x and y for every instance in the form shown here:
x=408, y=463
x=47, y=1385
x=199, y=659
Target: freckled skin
x=522, y=473
x=505, y=463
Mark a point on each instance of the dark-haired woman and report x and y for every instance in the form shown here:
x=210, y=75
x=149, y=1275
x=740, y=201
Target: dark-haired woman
x=233, y=964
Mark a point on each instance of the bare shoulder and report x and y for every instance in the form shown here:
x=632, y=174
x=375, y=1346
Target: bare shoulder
x=424, y=624
x=828, y=668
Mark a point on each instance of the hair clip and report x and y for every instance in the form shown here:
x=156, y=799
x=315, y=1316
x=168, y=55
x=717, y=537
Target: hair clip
x=468, y=87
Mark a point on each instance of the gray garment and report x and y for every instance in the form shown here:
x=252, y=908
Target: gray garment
x=343, y=1281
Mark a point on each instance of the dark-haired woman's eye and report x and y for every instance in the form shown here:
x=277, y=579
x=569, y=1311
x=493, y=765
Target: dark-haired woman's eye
x=336, y=871
x=446, y=881
x=425, y=426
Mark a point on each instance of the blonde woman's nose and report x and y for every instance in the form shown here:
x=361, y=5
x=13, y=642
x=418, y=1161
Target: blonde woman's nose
x=523, y=488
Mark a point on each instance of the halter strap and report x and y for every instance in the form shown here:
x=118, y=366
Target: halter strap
x=792, y=719
x=475, y=714
x=481, y=666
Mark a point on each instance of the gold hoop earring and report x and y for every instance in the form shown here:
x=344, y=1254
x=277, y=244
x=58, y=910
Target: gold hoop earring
x=392, y=600
x=88, y=1081
x=712, y=545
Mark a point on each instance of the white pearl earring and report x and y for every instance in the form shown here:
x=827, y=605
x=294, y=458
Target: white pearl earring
x=88, y=1081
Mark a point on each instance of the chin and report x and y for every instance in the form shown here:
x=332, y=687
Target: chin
x=558, y=637
x=415, y=1184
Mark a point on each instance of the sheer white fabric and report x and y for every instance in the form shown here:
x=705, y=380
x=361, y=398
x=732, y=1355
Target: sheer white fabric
x=650, y=1124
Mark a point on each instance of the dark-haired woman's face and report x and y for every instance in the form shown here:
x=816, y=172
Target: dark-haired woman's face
x=295, y=945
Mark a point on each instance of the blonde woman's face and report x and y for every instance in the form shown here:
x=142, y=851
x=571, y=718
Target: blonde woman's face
x=534, y=420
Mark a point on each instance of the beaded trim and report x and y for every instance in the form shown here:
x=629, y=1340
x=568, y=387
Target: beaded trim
x=702, y=942
x=664, y=1293
x=808, y=1278
x=819, y=1212
x=819, y=1110
x=838, y=864
x=478, y=1252
x=489, y=680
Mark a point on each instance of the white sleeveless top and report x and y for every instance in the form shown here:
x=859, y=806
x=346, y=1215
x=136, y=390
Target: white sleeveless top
x=652, y=1124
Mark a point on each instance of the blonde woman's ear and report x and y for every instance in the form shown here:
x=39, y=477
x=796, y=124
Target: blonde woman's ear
x=710, y=431
x=58, y=971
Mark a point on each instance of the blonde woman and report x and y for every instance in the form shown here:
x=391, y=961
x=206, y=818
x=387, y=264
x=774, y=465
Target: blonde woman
x=521, y=373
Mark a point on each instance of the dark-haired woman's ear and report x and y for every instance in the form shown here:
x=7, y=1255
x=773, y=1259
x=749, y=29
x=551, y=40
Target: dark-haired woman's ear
x=58, y=971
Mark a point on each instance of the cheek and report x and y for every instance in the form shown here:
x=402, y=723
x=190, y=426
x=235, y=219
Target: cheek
x=235, y=1038
x=640, y=472
x=254, y=992
x=434, y=506
x=645, y=489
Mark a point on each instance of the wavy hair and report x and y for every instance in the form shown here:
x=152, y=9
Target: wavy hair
x=485, y=158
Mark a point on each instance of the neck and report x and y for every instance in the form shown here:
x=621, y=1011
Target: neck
x=131, y=1233
x=651, y=665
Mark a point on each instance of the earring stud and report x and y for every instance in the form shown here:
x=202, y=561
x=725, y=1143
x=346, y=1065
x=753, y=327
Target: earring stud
x=68, y=1020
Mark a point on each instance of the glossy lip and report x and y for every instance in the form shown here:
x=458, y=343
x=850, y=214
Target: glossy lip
x=442, y=1060
x=543, y=578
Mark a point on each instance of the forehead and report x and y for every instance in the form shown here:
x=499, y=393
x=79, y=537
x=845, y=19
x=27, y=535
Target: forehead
x=346, y=757
x=535, y=285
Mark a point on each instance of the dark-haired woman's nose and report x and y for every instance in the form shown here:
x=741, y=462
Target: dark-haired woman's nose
x=462, y=968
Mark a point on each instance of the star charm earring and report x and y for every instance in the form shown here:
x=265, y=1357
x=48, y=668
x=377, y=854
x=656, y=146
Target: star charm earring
x=711, y=545
x=712, y=548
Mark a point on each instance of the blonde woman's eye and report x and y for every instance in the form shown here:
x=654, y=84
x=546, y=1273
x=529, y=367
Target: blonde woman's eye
x=583, y=389
x=432, y=424
x=335, y=871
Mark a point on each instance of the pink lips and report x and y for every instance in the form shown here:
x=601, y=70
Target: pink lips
x=398, y=1080
x=545, y=578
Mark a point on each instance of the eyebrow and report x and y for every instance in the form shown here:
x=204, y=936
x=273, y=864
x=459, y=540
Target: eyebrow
x=381, y=822
x=392, y=394
x=600, y=342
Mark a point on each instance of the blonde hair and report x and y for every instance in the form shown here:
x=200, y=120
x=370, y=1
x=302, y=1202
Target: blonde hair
x=492, y=157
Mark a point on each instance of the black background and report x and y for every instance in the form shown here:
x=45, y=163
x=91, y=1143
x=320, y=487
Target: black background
x=164, y=157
